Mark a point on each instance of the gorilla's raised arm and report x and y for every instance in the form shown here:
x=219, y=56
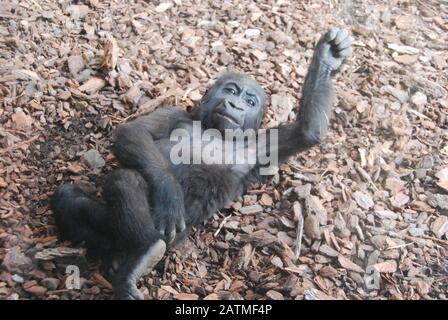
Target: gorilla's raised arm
x=317, y=96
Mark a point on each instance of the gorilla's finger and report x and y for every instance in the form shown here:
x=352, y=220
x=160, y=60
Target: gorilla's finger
x=347, y=42
x=136, y=294
x=129, y=293
x=161, y=228
x=170, y=234
x=342, y=34
x=180, y=225
x=345, y=53
x=331, y=34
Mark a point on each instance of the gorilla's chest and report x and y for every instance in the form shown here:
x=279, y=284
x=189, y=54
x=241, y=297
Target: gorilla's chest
x=190, y=145
x=198, y=161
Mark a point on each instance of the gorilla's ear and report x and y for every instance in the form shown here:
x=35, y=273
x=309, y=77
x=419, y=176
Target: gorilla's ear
x=204, y=98
x=206, y=93
x=259, y=120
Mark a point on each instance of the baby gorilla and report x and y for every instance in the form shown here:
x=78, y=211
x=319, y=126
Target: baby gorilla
x=154, y=202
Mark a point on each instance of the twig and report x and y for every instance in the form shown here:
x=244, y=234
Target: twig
x=366, y=176
x=426, y=142
x=302, y=169
x=18, y=145
x=221, y=225
x=440, y=241
x=421, y=115
x=165, y=267
x=400, y=246
x=194, y=87
x=411, y=238
x=298, y=242
x=150, y=105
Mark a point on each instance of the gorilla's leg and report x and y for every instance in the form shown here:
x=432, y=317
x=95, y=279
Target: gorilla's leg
x=81, y=219
x=135, y=264
x=121, y=229
x=139, y=243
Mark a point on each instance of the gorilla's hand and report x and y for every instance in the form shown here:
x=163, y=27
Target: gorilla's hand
x=333, y=48
x=168, y=209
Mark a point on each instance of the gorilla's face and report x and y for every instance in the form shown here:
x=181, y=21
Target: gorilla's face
x=235, y=101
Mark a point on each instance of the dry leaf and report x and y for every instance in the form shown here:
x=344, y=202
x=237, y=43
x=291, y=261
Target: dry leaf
x=443, y=184
x=440, y=226
x=276, y=261
x=253, y=209
x=163, y=7
x=348, y=264
x=405, y=22
x=110, y=55
x=266, y=199
x=101, y=280
x=363, y=200
x=389, y=266
x=24, y=74
x=132, y=96
x=311, y=227
x=314, y=294
x=399, y=200
x=403, y=49
x=274, y=295
x=406, y=59
x=212, y=296
x=259, y=238
x=423, y=287
x=259, y=55
x=75, y=168
x=186, y=296
x=92, y=85
x=170, y=290
x=442, y=174
x=21, y=120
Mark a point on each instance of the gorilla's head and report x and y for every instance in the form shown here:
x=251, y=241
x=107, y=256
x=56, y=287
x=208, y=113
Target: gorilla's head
x=235, y=101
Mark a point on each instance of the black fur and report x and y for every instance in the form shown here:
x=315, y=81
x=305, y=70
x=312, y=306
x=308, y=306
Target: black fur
x=155, y=199
x=124, y=222
x=81, y=219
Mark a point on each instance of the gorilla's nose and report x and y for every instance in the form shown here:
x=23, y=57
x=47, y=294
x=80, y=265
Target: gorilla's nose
x=234, y=106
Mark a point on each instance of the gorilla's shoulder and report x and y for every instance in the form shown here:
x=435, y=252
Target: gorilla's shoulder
x=166, y=114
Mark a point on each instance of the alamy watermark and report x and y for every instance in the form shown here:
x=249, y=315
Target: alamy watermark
x=235, y=147
x=372, y=278
x=73, y=280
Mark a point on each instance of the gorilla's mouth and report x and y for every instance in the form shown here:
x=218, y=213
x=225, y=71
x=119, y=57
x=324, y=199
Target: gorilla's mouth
x=228, y=118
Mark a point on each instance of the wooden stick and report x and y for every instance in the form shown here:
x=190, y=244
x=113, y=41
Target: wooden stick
x=222, y=224
x=18, y=145
x=298, y=242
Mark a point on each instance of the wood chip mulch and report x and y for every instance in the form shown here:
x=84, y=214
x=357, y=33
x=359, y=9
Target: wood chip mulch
x=363, y=216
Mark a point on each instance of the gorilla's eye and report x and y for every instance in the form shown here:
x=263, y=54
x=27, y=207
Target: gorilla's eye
x=230, y=90
x=251, y=102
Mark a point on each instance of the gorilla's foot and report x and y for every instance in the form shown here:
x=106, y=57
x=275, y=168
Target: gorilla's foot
x=155, y=254
x=133, y=267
